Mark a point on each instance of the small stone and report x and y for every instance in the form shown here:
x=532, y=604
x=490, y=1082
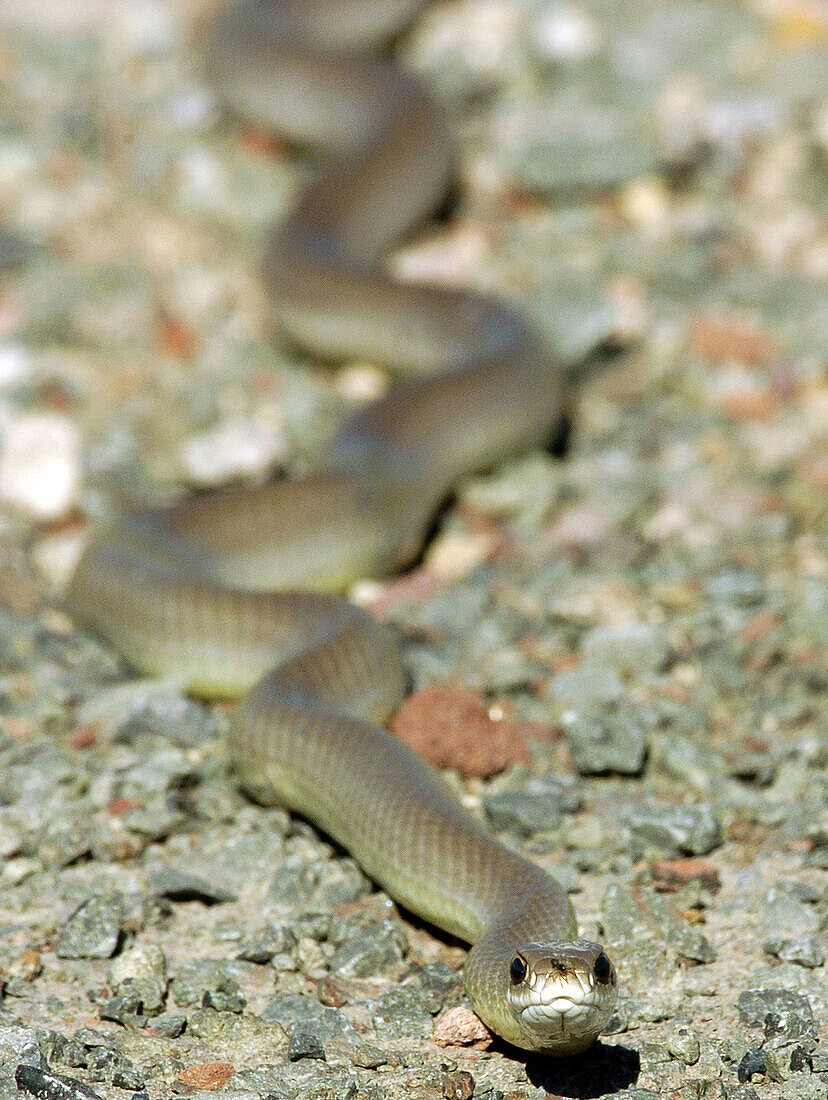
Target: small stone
x=170, y=1025
x=784, y=910
x=777, y=1012
x=201, y=977
x=371, y=950
x=20, y=1044
x=631, y=648
x=804, y=951
x=537, y=806
x=454, y=728
x=672, y=830
x=27, y=966
x=207, y=1075
x=126, y=1008
x=402, y=1011
x=683, y=1043
x=305, y=1044
x=44, y=1084
x=179, y=886
x=458, y=1085
x=368, y=1056
x=602, y=744
x=226, y=997
x=110, y=1066
x=593, y=686
x=294, y=1011
x=40, y=461
x=275, y=940
x=752, y=1062
x=94, y=929
x=460, y=1027
x=147, y=961
x=670, y=875
x=293, y=882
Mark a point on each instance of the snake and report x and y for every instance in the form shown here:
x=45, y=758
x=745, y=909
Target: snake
x=236, y=593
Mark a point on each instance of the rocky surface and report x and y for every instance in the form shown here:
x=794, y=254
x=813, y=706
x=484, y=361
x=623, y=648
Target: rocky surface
x=642, y=625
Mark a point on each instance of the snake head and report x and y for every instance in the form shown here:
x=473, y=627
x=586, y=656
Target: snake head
x=561, y=994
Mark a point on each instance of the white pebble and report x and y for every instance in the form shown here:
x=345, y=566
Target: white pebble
x=40, y=463
x=240, y=447
x=567, y=34
x=16, y=364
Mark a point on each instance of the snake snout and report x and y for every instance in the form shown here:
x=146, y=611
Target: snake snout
x=563, y=994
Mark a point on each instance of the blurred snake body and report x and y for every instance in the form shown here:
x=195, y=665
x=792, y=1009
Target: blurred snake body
x=224, y=592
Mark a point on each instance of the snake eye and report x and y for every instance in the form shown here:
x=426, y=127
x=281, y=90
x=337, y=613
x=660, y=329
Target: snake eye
x=602, y=969
x=518, y=969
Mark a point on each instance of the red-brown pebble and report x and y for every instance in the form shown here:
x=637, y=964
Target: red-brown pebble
x=453, y=728
x=730, y=338
x=671, y=874
x=460, y=1027
x=207, y=1075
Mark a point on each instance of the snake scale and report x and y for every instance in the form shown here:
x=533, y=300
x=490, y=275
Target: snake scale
x=233, y=592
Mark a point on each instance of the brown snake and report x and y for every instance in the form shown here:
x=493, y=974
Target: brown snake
x=210, y=590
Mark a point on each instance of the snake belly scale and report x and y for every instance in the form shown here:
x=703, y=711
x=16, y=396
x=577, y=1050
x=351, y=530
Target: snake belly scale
x=227, y=592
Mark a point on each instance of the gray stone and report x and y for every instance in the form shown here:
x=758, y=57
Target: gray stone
x=181, y=886
x=366, y=951
x=305, y=1043
x=202, y=977
x=537, y=806
x=275, y=940
x=94, y=929
x=294, y=1011
x=403, y=1010
x=779, y=1012
x=631, y=648
x=20, y=1044
x=804, y=951
x=672, y=830
x=44, y=1084
x=591, y=686
x=785, y=911
x=605, y=744
x=683, y=1043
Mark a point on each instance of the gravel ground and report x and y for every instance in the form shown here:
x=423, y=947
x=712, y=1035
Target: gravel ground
x=649, y=615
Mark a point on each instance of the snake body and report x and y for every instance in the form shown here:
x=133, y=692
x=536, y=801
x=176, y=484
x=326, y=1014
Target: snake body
x=211, y=590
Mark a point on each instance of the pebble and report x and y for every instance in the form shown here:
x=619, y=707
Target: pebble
x=305, y=1044
x=297, y=1012
x=402, y=1011
x=366, y=950
x=779, y=1012
x=40, y=463
x=683, y=1043
x=537, y=806
x=181, y=886
x=592, y=686
x=631, y=648
x=785, y=911
x=94, y=929
x=207, y=978
x=456, y=728
x=804, y=951
x=275, y=944
x=605, y=744
x=234, y=450
x=671, y=830
x=45, y=1084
